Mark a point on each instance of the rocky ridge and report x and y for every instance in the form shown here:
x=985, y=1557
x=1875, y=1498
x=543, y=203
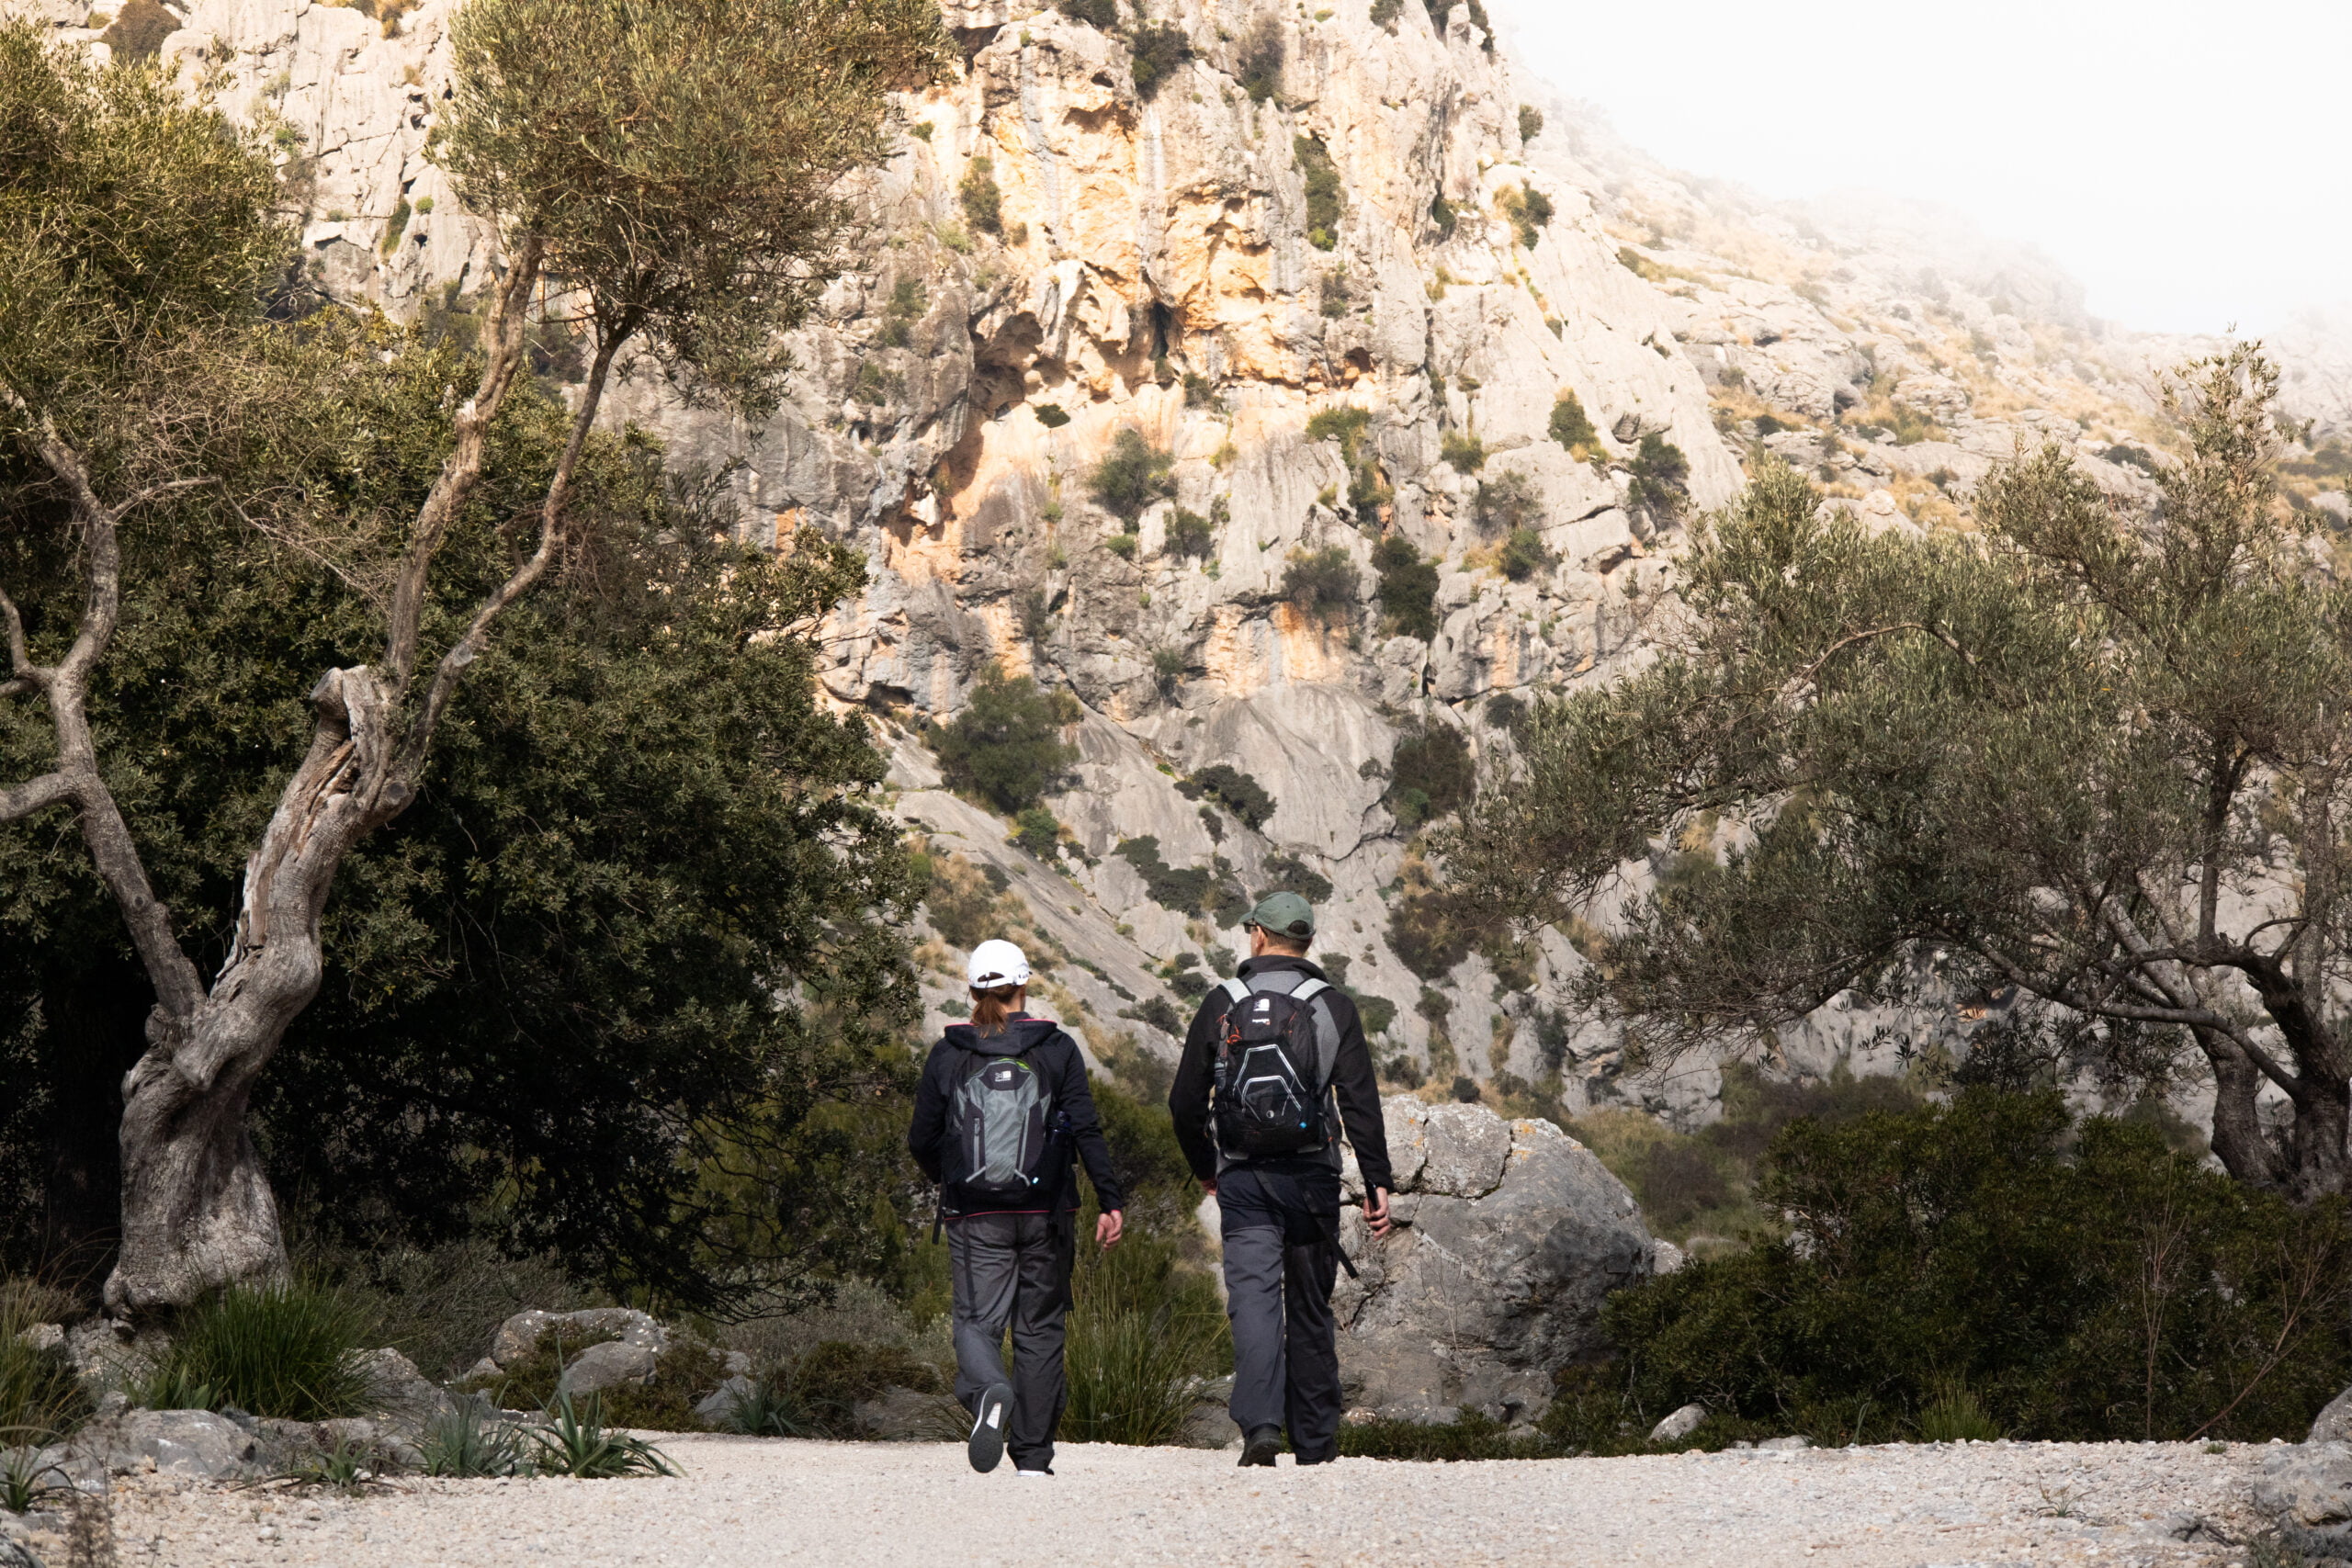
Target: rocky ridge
x=1351, y=212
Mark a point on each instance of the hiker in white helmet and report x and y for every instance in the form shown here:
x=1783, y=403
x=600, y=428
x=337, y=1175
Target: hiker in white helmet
x=1001, y=1118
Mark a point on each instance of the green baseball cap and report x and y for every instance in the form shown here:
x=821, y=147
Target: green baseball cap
x=1282, y=915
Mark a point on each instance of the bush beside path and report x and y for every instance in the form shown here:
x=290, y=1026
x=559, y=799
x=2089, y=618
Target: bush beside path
x=744, y=1501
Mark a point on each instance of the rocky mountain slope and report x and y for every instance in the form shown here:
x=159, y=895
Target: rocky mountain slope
x=1416, y=374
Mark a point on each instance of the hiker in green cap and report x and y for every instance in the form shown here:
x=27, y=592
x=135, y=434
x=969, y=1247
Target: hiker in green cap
x=1276, y=1071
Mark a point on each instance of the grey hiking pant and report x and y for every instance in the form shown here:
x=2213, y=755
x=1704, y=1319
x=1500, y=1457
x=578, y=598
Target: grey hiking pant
x=1285, y=1347
x=1014, y=1270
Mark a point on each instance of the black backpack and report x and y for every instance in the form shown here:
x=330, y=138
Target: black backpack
x=999, y=1126
x=1274, y=1058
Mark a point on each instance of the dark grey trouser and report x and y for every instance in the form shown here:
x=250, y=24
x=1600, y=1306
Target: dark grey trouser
x=1013, y=1270
x=1285, y=1344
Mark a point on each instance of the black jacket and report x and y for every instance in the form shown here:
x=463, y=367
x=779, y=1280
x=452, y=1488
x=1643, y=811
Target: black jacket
x=1055, y=1057
x=1353, y=1080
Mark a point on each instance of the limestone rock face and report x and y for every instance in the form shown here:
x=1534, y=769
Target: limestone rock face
x=1338, y=312
x=1510, y=1235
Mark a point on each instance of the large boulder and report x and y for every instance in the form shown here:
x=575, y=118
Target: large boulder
x=2333, y=1424
x=521, y=1335
x=1510, y=1235
x=195, y=1443
x=2305, y=1491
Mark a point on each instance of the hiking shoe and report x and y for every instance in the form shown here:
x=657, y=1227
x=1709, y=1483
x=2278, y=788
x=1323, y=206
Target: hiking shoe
x=1261, y=1445
x=986, y=1446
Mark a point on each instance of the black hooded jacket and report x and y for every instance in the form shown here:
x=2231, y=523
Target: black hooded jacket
x=1055, y=1057
x=1353, y=1083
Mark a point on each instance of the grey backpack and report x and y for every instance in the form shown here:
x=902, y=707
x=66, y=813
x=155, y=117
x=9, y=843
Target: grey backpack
x=999, y=1118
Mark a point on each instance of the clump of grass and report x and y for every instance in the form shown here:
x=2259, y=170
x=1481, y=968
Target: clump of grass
x=1954, y=1416
x=26, y=1483
x=1145, y=1330
x=470, y=1442
x=277, y=1350
x=39, y=1392
x=576, y=1442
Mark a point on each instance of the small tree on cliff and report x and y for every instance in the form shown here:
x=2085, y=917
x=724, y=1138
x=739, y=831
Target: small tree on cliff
x=668, y=170
x=2098, y=759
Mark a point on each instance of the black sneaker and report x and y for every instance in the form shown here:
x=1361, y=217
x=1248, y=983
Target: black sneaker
x=986, y=1446
x=1260, y=1446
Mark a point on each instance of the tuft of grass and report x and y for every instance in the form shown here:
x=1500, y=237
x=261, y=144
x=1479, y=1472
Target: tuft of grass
x=1464, y=450
x=574, y=1442
x=277, y=1350
x=471, y=1442
x=39, y=1392
x=1954, y=1416
x=1145, y=1330
x=26, y=1483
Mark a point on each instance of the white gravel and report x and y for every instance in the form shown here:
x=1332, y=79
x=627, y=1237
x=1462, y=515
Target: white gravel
x=745, y=1501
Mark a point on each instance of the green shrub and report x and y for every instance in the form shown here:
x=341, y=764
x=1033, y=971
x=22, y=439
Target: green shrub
x=394, y=226
x=276, y=1350
x=1573, y=429
x=1531, y=122
x=576, y=1442
x=1425, y=934
x=1522, y=555
x=1659, y=471
x=1039, y=832
x=2081, y=1283
x=2136, y=456
x=1529, y=210
x=1188, y=537
x=1441, y=214
x=1158, y=49
x=39, y=1392
x=138, y=31
x=1122, y=545
x=1258, y=67
x=1408, y=587
x=1051, y=415
x=1325, y=198
x=906, y=306
x=1384, y=13
x=1435, y=760
x=1505, y=503
x=1200, y=392
x=1233, y=789
x=469, y=1442
x=1322, y=584
x=1131, y=478
x=1462, y=450
x=1158, y=1012
x=1101, y=14
x=1954, y=1416
x=1344, y=424
x=1183, y=890
x=1144, y=1329
x=983, y=203
x=1006, y=746
x=1292, y=875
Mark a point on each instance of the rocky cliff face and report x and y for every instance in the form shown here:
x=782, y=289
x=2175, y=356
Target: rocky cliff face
x=1325, y=266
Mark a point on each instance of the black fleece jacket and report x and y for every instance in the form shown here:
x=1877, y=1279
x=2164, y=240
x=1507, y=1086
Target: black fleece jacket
x=1055, y=1057
x=1352, y=1079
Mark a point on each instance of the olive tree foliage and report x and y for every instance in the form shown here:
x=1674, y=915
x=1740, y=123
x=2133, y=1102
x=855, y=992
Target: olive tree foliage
x=672, y=167
x=2088, y=757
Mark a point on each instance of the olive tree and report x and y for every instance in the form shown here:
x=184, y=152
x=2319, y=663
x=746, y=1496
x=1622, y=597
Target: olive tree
x=2092, y=761
x=665, y=175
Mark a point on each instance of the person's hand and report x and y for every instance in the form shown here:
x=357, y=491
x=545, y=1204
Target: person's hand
x=1107, y=1228
x=1376, y=1210
x=1208, y=1185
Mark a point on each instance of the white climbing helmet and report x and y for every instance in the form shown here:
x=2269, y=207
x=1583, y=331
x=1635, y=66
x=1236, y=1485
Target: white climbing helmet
x=994, y=962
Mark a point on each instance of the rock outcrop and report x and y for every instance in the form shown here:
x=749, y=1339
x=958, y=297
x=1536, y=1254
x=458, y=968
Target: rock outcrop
x=1510, y=1234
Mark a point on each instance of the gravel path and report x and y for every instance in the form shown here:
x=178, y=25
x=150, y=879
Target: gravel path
x=745, y=1501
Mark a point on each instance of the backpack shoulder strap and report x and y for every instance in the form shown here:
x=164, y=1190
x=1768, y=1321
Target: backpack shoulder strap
x=1327, y=1032
x=1236, y=988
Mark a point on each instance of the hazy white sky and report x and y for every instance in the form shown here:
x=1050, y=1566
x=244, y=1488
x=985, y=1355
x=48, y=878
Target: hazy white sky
x=2191, y=163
